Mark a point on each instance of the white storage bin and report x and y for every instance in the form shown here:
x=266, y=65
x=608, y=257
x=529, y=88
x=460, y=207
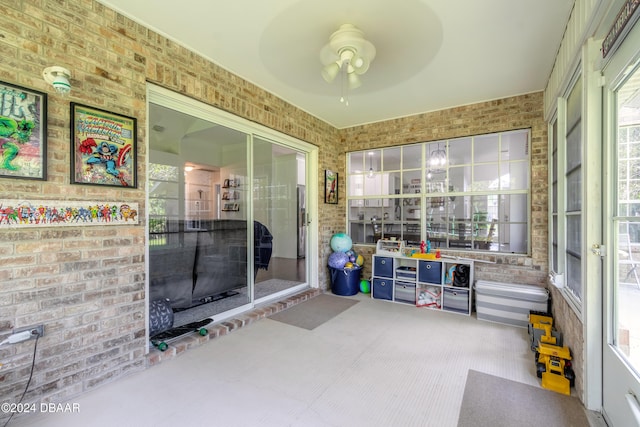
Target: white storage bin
x=509, y=303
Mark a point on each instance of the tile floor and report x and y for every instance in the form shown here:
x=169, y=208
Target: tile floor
x=376, y=364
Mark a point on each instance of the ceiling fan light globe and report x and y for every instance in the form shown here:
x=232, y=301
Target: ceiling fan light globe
x=328, y=55
x=354, y=81
x=360, y=64
x=329, y=72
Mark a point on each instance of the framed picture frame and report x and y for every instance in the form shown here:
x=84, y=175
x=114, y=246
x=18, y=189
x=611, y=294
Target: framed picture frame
x=230, y=207
x=330, y=187
x=23, y=132
x=103, y=147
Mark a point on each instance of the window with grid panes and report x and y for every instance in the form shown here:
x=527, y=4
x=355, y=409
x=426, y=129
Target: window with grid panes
x=467, y=193
x=572, y=175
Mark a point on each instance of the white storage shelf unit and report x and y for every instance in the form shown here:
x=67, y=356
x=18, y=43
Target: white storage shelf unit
x=421, y=282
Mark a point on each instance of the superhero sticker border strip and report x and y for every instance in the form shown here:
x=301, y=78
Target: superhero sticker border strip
x=58, y=213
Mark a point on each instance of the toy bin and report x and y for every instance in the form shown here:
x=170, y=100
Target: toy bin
x=405, y=292
x=382, y=288
x=455, y=299
x=383, y=266
x=345, y=281
x=509, y=303
x=430, y=271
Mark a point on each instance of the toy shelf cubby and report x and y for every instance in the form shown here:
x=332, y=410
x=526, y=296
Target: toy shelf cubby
x=424, y=283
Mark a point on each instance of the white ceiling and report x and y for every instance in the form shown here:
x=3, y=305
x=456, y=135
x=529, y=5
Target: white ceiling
x=431, y=54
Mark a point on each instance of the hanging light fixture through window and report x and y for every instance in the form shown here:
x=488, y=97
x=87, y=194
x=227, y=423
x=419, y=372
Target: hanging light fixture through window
x=347, y=54
x=370, y=173
x=437, y=161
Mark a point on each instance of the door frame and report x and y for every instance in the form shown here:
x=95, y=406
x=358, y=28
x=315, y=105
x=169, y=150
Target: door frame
x=618, y=381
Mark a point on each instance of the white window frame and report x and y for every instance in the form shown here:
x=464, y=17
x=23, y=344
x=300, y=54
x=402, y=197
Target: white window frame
x=591, y=191
x=385, y=200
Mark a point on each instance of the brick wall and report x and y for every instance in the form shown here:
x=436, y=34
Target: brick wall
x=87, y=284
x=516, y=112
x=569, y=324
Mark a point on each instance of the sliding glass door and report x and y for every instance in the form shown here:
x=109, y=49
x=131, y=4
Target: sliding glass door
x=279, y=205
x=227, y=211
x=198, y=234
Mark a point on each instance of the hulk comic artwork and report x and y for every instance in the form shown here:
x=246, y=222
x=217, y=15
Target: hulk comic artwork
x=21, y=145
x=12, y=134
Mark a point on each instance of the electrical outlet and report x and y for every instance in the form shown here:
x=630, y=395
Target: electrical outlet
x=36, y=331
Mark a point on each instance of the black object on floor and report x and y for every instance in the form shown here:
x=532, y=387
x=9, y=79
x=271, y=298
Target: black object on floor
x=160, y=316
x=162, y=339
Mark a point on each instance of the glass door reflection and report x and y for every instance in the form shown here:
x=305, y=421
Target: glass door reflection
x=279, y=212
x=198, y=234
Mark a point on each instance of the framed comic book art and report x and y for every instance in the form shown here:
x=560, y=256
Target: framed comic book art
x=103, y=147
x=23, y=133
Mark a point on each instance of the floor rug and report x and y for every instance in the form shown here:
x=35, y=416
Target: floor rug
x=313, y=313
x=493, y=401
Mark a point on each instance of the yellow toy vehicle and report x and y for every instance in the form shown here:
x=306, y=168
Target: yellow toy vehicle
x=541, y=330
x=553, y=365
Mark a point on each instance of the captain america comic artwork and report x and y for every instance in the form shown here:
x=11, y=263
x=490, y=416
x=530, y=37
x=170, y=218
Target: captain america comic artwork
x=104, y=148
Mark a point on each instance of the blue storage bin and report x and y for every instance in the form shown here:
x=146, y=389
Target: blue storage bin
x=430, y=271
x=382, y=289
x=383, y=266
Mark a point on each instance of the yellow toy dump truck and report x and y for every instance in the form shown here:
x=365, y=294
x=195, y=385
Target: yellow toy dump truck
x=553, y=361
x=541, y=330
x=553, y=365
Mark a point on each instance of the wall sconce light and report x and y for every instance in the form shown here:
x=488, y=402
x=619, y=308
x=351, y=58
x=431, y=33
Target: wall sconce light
x=58, y=77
